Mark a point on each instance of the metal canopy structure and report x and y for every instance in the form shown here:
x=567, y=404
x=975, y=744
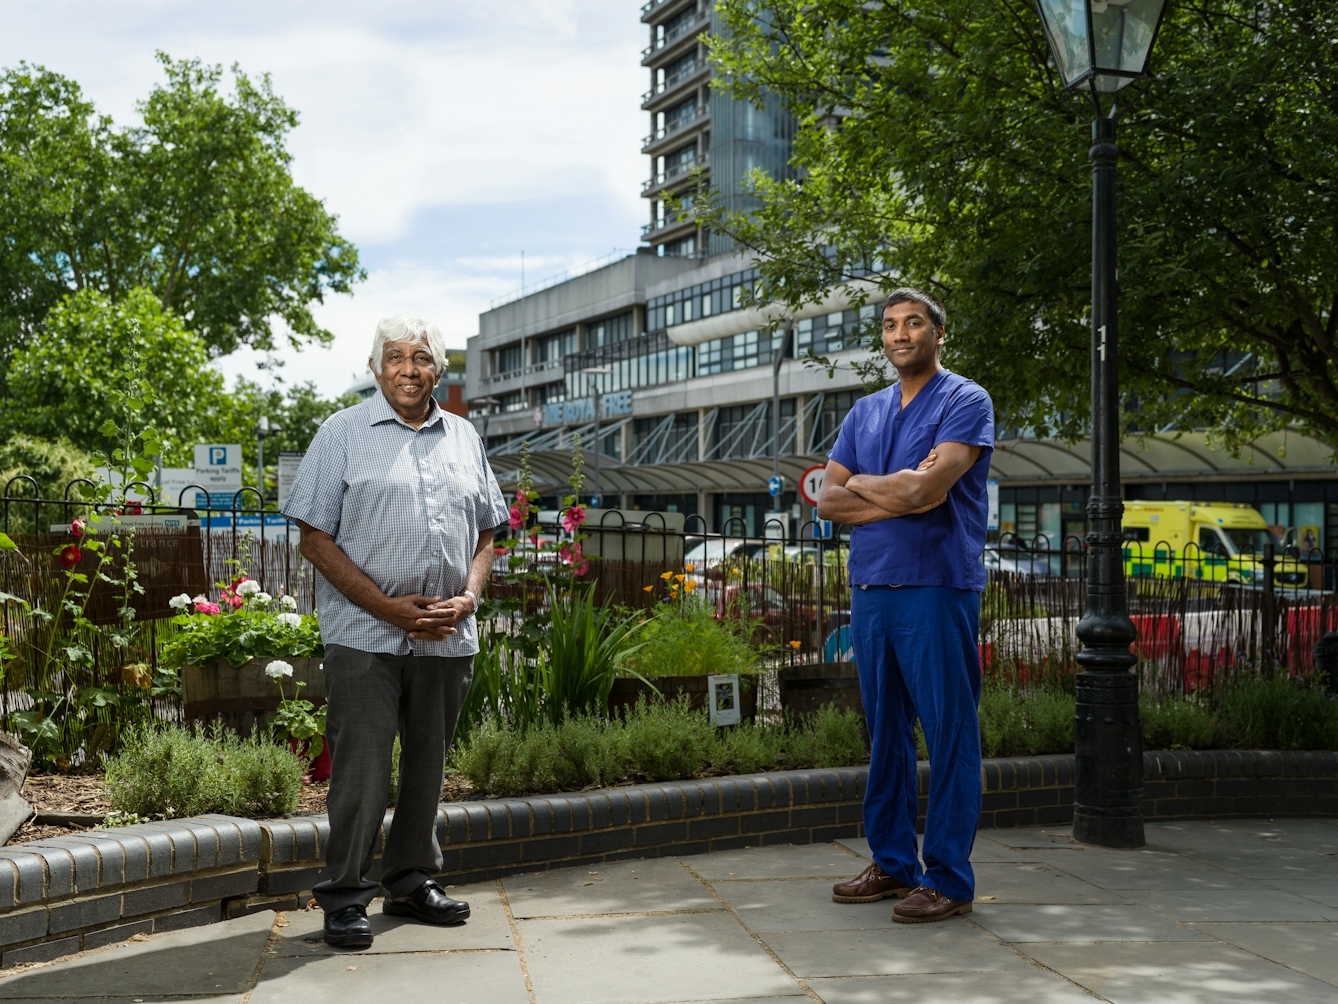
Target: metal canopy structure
x=1164, y=457
x=1016, y=462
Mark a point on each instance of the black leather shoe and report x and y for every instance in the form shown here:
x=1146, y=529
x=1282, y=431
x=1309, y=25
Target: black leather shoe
x=428, y=904
x=348, y=927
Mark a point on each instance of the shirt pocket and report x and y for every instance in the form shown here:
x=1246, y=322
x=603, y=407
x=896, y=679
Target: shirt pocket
x=920, y=439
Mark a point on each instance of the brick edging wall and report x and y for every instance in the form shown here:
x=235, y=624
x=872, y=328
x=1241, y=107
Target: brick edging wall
x=66, y=894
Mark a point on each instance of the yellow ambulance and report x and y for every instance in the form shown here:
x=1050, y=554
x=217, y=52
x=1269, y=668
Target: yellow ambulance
x=1218, y=541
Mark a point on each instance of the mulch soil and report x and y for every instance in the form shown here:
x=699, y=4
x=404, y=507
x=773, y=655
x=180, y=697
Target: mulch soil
x=84, y=793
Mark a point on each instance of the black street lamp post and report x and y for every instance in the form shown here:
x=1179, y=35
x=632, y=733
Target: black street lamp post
x=1103, y=45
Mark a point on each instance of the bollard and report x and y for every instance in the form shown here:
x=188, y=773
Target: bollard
x=1326, y=661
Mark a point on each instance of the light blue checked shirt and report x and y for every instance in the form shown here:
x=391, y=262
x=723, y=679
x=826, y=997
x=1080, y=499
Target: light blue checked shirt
x=406, y=505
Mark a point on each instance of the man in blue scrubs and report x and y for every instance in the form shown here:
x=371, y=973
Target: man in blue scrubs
x=908, y=472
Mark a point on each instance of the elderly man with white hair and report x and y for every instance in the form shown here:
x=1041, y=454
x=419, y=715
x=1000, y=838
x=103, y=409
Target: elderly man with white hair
x=397, y=506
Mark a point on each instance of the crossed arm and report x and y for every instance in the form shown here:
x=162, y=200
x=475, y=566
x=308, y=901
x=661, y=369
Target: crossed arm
x=856, y=499
x=421, y=616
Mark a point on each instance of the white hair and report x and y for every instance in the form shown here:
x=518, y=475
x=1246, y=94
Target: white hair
x=415, y=331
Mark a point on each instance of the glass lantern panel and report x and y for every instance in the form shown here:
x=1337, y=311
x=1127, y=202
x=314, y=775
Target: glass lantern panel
x=1066, y=25
x=1122, y=32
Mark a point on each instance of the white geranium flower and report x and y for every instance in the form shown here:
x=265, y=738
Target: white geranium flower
x=200, y=599
x=290, y=620
x=288, y=602
x=263, y=597
x=278, y=668
x=248, y=587
x=180, y=602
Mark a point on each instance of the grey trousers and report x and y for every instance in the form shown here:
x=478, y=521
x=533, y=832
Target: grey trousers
x=369, y=697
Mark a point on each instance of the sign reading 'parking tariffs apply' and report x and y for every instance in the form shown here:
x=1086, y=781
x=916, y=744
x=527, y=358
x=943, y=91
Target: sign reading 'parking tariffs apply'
x=218, y=470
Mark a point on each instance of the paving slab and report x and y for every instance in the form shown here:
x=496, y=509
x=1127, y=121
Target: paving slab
x=442, y=977
x=219, y=959
x=1322, y=891
x=1182, y=974
x=1308, y=948
x=857, y=845
x=947, y=947
x=1248, y=903
x=1246, y=835
x=1021, y=882
x=1146, y=869
x=1031, y=836
x=1017, y=924
x=621, y=887
x=1020, y=987
x=800, y=905
x=780, y=861
x=647, y=960
x=487, y=927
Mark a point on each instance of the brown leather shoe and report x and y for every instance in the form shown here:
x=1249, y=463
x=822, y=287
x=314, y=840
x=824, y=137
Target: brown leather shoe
x=925, y=905
x=869, y=886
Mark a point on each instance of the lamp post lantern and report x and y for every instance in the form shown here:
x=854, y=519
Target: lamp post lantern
x=1102, y=46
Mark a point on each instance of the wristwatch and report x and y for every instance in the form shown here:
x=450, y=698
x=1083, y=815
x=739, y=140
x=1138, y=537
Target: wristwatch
x=472, y=598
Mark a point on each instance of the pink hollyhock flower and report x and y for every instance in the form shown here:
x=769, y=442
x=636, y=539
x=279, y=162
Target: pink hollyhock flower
x=520, y=496
x=534, y=539
x=207, y=608
x=70, y=556
x=573, y=518
x=570, y=554
x=517, y=519
x=77, y=527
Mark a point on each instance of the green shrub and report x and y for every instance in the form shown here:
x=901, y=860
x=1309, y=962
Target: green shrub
x=1028, y=722
x=1174, y=723
x=688, y=640
x=830, y=737
x=666, y=740
x=172, y=771
x=1277, y=714
x=748, y=748
x=587, y=751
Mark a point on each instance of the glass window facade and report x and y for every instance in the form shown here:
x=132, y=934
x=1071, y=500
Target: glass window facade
x=737, y=352
x=643, y=361
x=511, y=358
x=842, y=329
x=552, y=348
x=607, y=332
x=702, y=300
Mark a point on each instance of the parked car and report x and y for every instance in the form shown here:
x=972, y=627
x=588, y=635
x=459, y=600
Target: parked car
x=1018, y=559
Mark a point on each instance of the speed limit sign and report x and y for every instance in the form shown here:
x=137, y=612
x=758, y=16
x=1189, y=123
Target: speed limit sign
x=810, y=483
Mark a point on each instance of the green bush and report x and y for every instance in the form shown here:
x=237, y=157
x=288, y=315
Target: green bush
x=830, y=737
x=666, y=740
x=1175, y=723
x=1025, y=722
x=748, y=748
x=1277, y=714
x=171, y=771
x=688, y=640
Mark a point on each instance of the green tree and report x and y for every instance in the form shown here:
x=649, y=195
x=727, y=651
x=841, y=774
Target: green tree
x=197, y=204
x=934, y=141
x=66, y=382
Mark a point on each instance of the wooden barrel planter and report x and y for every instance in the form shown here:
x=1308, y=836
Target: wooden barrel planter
x=805, y=689
x=627, y=689
x=239, y=697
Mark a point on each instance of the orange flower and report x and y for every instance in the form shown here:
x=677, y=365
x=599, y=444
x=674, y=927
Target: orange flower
x=690, y=567
x=680, y=578
x=795, y=644
x=666, y=576
x=673, y=590
x=646, y=589
x=690, y=585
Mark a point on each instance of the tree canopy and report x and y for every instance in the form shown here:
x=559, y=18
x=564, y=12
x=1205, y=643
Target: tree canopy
x=935, y=141
x=196, y=204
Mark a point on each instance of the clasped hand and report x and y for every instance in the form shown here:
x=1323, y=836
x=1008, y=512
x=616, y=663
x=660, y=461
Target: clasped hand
x=428, y=617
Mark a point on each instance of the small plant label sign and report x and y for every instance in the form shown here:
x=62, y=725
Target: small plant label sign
x=724, y=703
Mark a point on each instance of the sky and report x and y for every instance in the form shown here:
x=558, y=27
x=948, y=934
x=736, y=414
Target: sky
x=448, y=136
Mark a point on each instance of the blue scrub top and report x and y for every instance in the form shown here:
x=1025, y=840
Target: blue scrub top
x=941, y=547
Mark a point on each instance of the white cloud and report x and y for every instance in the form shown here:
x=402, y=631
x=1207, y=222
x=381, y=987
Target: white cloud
x=446, y=136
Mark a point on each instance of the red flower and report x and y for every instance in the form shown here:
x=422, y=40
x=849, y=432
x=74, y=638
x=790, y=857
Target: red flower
x=517, y=519
x=77, y=527
x=70, y=556
x=573, y=518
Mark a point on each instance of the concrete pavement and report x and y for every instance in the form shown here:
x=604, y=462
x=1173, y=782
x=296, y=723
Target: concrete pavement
x=1236, y=911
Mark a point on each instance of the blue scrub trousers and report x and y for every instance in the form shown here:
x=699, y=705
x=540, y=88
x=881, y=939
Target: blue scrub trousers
x=915, y=650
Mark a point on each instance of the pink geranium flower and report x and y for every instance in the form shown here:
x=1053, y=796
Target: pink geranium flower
x=208, y=608
x=572, y=518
